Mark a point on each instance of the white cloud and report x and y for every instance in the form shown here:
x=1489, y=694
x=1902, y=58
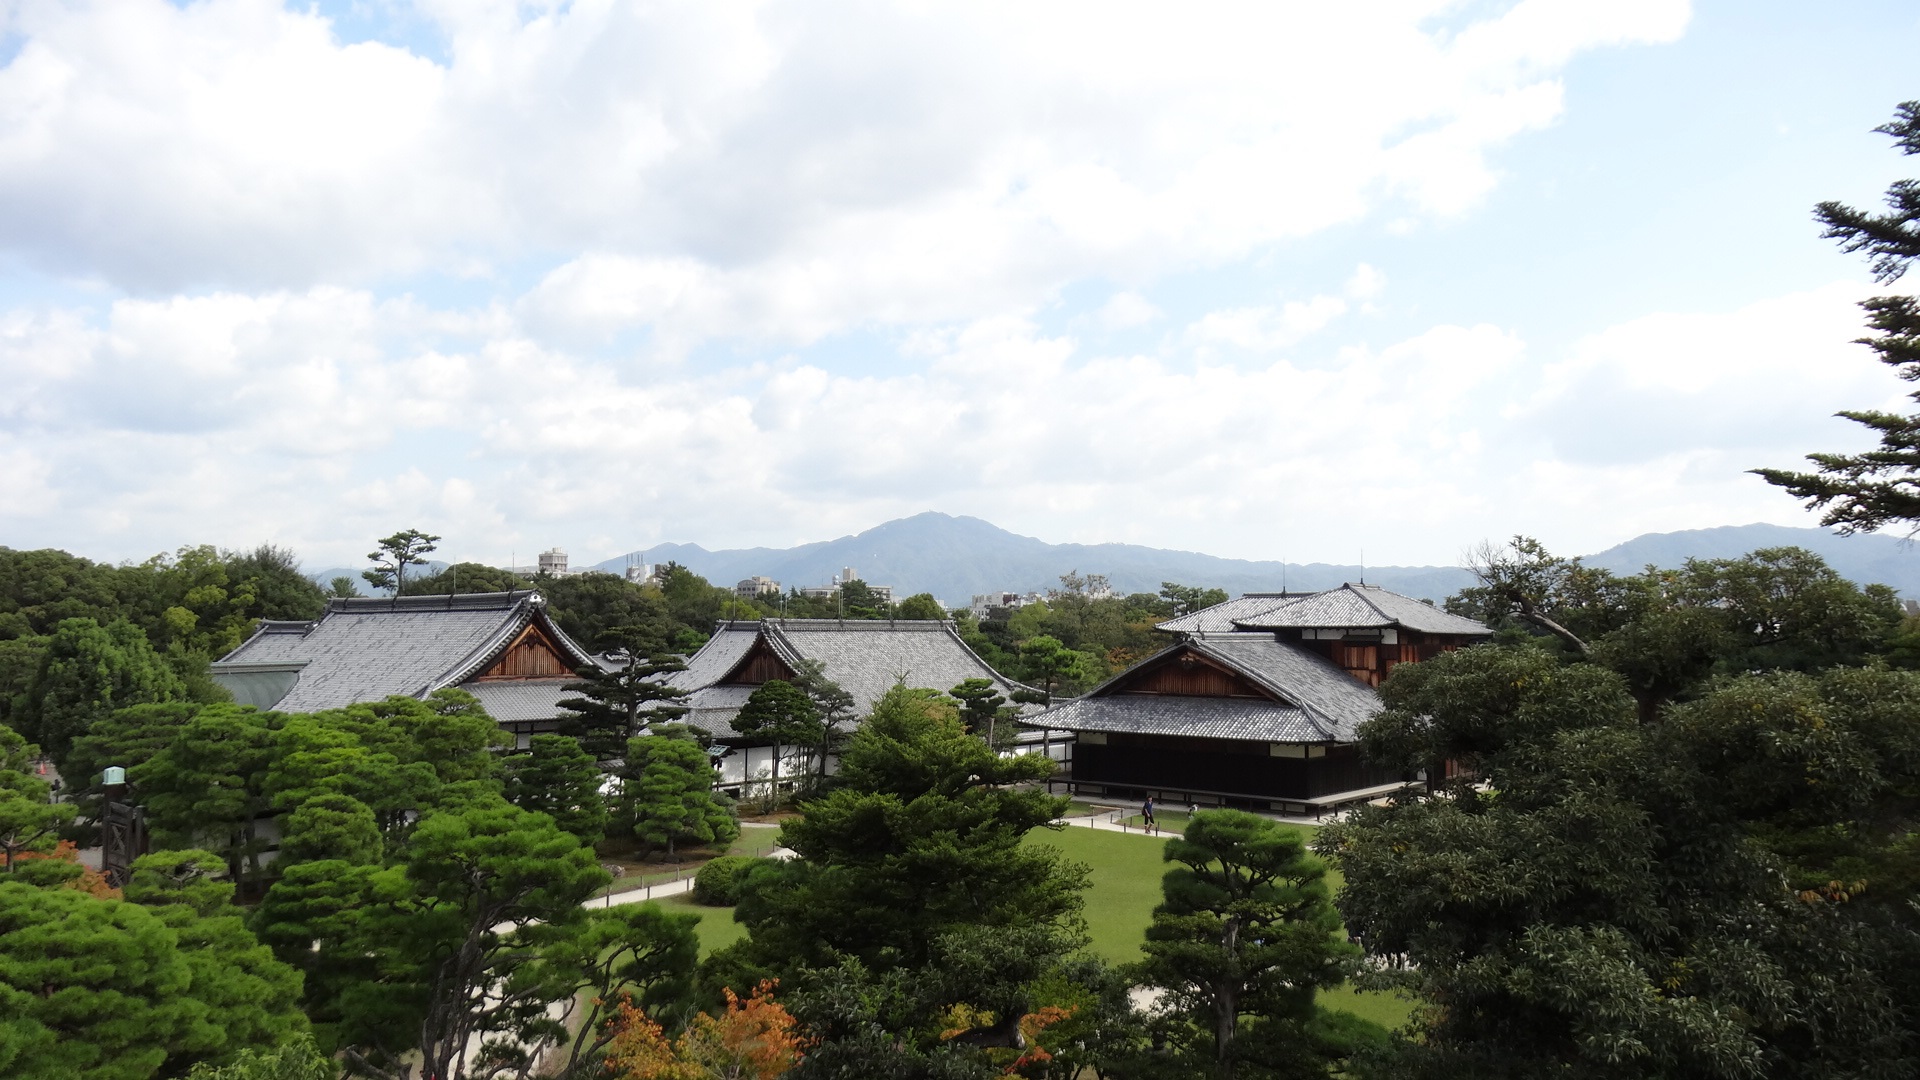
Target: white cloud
x=779, y=169
x=1265, y=328
x=321, y=418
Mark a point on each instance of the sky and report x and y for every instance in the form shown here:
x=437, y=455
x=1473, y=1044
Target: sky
x=1264, y=280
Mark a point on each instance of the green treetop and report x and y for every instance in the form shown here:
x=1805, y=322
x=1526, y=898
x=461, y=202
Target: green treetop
x=913, y=892
x=1597, y=894
x=555, y=777
x=88, y=671
x=1245, y=937
x=409, y=547
x=666, y=795
x=1865, y=491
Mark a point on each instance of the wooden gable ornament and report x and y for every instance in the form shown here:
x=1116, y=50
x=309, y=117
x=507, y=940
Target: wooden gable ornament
x=531, y=655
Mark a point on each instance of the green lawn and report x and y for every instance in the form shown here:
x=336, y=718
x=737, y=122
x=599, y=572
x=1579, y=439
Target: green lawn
x=717, y=929
x=1126, y=871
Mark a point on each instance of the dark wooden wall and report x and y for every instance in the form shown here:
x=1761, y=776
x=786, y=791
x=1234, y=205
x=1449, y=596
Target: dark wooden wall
x=1191, y=675
x=531, y=656
x=1167, y=762
x=760, y=664
x=1371, y=663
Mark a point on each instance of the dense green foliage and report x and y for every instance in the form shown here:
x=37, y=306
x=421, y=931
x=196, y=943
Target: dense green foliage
x=1720, y=886
x=667, y=798
x=1870, y=490
x=913, y=905
x=95, y=986
x=1667, y=631
x=1246, y=936
x=616, y=705
x=781, y=714
x=718, y=882
x=555, y=777
x=28, y=822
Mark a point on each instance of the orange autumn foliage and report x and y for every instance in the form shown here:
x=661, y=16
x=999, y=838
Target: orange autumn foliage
x=1031, y=1025
x=89, y=880
x=755, y=1039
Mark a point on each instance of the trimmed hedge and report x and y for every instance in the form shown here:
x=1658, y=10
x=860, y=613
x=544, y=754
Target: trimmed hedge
x=718, y=883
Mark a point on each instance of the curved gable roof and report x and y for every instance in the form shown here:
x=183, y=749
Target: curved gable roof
x=369, y=648
x=1314, y=701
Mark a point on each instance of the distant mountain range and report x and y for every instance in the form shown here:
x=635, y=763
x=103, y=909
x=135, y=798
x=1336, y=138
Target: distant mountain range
x=955, y=558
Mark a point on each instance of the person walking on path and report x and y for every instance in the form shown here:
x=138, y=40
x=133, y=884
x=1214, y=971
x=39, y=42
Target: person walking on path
x=1146, y=816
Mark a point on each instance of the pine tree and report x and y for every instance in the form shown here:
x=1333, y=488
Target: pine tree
x=555, y=777
x=620, y=704
x=1246, y=935
x=667, y=795
x=1862, y=492
x=782, y=714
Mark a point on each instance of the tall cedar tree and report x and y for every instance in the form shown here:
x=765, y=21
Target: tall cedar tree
x=555, y=777
x=1245, y=937
x=1862, y=492
x=666, y=795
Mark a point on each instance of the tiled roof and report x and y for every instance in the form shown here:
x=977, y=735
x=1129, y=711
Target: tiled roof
x=1358, y=606
x=1219, y=618
x=1350, y=606
x=511, y=700
x=714, y=659
x=1196, y=717
x=866, y=657
x=368, y=648
x=1322, y=703
x=1337, y=702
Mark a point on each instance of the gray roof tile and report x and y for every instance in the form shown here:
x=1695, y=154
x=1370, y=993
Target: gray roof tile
x=1219, y=618
x=866, y=657
x=1324, y=703
x=519, y=700
x=1358, y=606
x=369, y=648
x=1195, y=717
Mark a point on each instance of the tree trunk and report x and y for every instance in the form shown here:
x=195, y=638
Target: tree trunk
x=1226, y=1008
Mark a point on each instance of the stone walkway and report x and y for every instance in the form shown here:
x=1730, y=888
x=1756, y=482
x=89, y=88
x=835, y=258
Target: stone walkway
x=1110, y=818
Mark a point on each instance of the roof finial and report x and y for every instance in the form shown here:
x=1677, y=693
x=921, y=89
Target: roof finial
x=1363, y=564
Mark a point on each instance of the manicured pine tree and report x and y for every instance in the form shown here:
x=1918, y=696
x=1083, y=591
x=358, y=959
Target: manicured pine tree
x=555, y=777
x=667, y=795
x=620, y=704
x=1246, y=935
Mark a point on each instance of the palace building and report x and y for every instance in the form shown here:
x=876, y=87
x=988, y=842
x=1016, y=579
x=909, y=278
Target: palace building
x=1256, y=703
x=503, y=648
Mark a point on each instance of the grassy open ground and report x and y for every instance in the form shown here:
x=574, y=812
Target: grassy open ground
x=1126, y=870
x=640, y=874
x=717, y=929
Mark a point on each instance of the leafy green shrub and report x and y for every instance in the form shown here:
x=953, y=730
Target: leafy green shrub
x=718, y=883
